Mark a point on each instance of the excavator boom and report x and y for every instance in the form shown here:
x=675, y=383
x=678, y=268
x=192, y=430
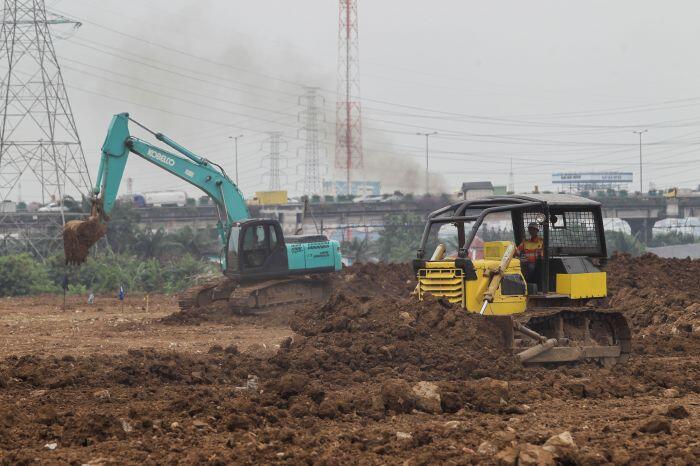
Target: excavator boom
x=80, y=235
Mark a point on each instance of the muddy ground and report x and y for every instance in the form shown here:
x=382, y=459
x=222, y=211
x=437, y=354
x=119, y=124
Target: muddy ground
x=370, y=377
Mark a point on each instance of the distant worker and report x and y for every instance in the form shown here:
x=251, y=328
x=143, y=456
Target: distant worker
x=121, y=297
x=530, y=251
x=91, y=297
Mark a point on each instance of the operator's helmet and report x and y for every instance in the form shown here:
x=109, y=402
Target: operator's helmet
x=533, y=226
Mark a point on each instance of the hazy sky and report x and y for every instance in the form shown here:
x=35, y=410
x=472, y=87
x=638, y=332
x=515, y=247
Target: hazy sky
x=553, y=85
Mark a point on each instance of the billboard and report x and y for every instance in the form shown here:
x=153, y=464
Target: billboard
x=357, y=188
x=594, y=178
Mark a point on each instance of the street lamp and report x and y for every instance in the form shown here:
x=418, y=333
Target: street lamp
x=641, y=184
x=235, y=139
x=427, y=175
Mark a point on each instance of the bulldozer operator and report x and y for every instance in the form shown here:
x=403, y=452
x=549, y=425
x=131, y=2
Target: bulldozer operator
x=531, y=253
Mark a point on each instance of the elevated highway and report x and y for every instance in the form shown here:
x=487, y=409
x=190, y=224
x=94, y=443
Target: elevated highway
x=333, y=218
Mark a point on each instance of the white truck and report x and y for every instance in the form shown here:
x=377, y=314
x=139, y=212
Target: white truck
x=165, y=199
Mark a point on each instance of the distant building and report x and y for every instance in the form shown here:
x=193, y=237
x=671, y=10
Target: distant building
x=500, y=190
x=476, y=189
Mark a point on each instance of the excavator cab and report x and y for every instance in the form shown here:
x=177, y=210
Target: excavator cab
x=264, y=268
x=256, y=248
x=551, y=305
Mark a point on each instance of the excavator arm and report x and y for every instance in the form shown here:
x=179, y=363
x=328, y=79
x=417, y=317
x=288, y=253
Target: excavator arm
x=80, y=235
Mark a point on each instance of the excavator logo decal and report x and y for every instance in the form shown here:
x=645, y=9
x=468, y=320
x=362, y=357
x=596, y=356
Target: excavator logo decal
x=161, y=158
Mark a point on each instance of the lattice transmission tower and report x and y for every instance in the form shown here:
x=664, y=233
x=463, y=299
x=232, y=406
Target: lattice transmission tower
x=313, y=153
x=273, y=158
x=40, y=148
x=348, y=130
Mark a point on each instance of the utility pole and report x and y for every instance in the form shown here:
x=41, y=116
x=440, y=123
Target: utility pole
x=641, y=180
x=235, y=142
x=511, y=178
x=427, y=160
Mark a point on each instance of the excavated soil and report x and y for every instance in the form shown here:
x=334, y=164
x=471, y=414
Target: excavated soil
x=370, y=377
x=661, y=300
x=79, y=236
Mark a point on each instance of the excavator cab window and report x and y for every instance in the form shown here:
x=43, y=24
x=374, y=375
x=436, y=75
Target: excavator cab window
x=255, y=246
x=273, y=239
x=233, y=259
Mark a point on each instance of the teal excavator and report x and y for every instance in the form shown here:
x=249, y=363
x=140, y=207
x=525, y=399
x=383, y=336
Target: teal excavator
x=261, y=267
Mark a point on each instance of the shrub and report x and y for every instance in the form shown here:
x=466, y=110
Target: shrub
x=621, y=242
x=21, y=274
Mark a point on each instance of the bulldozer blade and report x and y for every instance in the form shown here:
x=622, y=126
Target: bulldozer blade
x=79, y=236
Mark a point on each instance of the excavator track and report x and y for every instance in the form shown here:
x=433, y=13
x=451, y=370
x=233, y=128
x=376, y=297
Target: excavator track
x=206, y=293
x=581, y=333
x=247, y=298
x=255, y=297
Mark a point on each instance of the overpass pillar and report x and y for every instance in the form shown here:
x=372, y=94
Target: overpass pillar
x=641, y=228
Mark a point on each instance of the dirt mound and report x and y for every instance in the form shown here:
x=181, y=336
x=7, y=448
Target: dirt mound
x=362, y=280
x=375, y=280
x=385, y=337
x=206, y=409
x=136, y=368
x=364, y=351
x=657, y=295
x=371, y=377
x=217, y=311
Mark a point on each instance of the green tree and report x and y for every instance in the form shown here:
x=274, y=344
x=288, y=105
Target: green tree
x=21, y=274
x=148, y=243
x=195, y=242
x=180, y=274
x=357, y=250
x=122, y=228
x=672, y=238
x=150, y=276
x=617, y=241
x=400, y=238
x=106, y=272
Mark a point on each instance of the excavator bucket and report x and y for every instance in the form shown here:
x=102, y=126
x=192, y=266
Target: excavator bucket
x=79, y=236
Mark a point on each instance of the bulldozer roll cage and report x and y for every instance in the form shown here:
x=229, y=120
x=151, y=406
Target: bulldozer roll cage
x=571, y=226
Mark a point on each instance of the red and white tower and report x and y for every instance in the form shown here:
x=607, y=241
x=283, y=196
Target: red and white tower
x=348, y=128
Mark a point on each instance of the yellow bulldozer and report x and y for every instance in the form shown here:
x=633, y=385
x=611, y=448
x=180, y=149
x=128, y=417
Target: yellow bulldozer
x=549, y=306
